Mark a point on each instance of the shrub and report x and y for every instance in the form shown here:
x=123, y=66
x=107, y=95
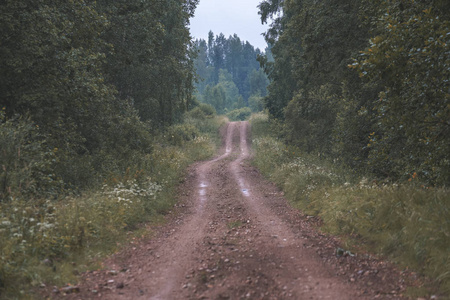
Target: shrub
x=26, y=165
x=180, y=133
x=239, y=114
x=202, y=111
x=256, y=103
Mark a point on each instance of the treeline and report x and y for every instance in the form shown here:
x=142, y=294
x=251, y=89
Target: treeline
x=84, y=86
x=365, y=83
x=228, y=74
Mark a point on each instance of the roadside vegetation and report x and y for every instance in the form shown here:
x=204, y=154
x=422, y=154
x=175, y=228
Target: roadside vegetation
x=48, y=241
x=97, y=124
x=408, y=222
x=358, y=104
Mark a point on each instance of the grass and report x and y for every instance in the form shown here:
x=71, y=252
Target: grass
x=406, y=222
x=234, y=224
x=50, y=242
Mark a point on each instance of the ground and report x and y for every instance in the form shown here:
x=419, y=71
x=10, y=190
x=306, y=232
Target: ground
x=232, y=235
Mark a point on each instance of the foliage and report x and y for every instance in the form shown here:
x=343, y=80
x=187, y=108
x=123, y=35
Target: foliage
x=96, y=78
x=363, y=82
x=239, y=114
x=310, y=117
x=87, y=91
x=410, y=60
x=407, y=222
x=149, y=62
x=40, y=238
x=26, y=163
x=256, y=103
x=179, y=133
x=228, y=72
x=202, y=111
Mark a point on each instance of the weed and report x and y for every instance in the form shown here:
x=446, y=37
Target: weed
x=234, y=224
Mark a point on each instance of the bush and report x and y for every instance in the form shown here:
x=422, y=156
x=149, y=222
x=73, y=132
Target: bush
x=239, y=114
x=180, y=133
x=256, y=103
x=201, y=111
x=26, y=165
x=261, y=126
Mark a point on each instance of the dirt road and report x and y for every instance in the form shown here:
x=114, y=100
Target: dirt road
x=232, y=236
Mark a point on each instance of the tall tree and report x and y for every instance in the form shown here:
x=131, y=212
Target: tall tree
x=78, y=70
x=391, y=119
x=234, y=57
x=149, y=62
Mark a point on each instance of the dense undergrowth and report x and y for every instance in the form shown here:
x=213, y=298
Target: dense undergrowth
x=50, y=240
x=407, y=222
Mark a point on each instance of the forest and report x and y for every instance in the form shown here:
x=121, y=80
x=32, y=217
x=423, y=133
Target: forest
x=364, y=83
x=229, y=75
x=85, y=85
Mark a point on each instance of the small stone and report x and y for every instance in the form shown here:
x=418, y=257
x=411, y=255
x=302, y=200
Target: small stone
x=120, y=285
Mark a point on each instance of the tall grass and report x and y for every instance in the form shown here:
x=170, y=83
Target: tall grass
x=407, y=222
x=47, y=241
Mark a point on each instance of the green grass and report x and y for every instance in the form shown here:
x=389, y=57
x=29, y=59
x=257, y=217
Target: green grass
x=406, y=222
x=49, y=242
x=234, y=224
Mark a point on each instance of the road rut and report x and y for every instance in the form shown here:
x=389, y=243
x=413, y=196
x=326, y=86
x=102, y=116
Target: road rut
x=233, y=236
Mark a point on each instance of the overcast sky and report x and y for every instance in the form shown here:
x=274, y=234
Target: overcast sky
x=229, y=17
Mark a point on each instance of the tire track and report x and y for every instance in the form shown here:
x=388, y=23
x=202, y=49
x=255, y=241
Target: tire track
x=234, y=237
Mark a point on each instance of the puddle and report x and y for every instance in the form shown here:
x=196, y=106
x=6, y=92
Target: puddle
x=245, y=192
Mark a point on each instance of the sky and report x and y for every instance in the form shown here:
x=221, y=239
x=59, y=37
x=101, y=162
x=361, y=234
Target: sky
x=229, y=17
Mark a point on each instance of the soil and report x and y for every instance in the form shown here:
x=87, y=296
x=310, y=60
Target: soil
x=232, y=235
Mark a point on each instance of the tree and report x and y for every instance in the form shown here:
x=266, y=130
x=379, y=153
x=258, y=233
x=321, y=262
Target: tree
x=150, y=62
x=79, y=70
x=258, y=83
x=409, y=58
x=392, y=118
x=234, y=57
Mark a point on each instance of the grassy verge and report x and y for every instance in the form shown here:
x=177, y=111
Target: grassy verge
x=407, y=222
x=50, y=242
